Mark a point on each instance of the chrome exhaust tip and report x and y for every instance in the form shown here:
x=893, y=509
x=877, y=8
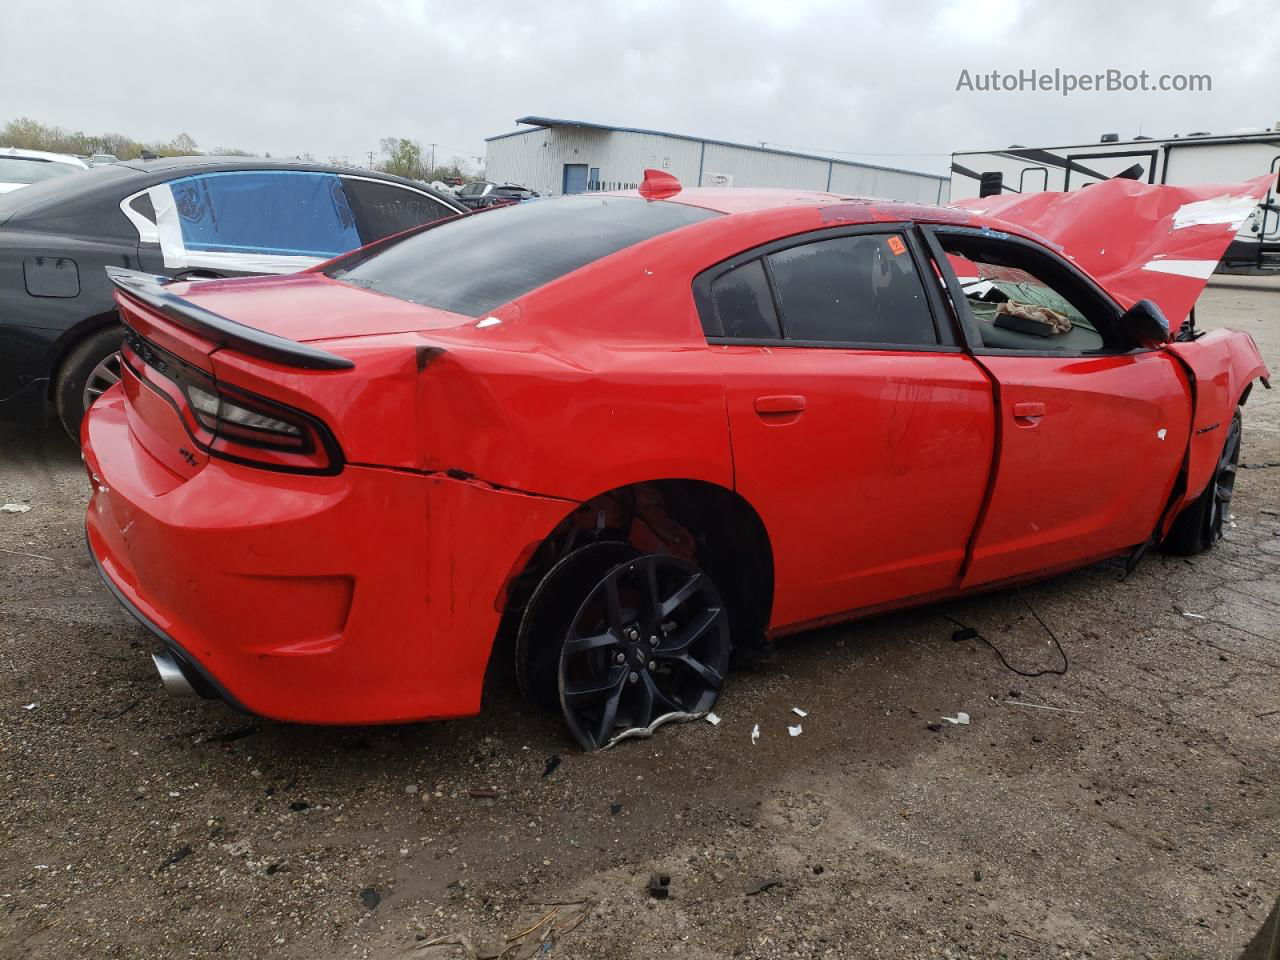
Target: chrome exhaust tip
x=171, y=675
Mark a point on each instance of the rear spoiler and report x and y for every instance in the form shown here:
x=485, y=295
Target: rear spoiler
x=223, y=331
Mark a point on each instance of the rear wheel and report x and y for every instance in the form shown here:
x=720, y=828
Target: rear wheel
x=648, y=643
x=90, y=369
x=553, y=603
x=1200, y=525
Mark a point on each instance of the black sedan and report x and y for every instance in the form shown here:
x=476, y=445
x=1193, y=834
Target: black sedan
x=182, y=217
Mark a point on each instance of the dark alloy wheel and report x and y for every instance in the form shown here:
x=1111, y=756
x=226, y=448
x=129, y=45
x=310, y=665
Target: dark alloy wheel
x=1201, y=524
x=649, y=643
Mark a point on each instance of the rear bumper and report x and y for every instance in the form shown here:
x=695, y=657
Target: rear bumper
x=372, y=596
x=195, y=675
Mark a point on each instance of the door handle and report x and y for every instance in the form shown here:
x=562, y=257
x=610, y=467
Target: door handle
x=781, y=405
x=1027, y=413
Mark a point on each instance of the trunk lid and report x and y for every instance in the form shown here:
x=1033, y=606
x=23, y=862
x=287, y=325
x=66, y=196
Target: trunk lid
x=306, y=307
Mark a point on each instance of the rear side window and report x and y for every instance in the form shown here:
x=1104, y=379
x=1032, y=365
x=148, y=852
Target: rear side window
x=383, y=209
x=272, y=212
x=858, y=289
x=744, y=305
x=472, y=264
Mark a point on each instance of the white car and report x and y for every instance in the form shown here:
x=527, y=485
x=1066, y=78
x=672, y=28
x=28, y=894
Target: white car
x=20, y=168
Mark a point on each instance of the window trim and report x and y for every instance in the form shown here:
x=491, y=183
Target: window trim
x=969, y=324
x=945, y=342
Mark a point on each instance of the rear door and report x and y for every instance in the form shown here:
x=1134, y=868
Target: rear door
x=1091, y=433
x=860, y=431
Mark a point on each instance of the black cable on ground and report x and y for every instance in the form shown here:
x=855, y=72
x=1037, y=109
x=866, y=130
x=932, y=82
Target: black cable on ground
x=966, y=632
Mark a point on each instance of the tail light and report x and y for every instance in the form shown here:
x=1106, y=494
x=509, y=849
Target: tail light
x=231, y=423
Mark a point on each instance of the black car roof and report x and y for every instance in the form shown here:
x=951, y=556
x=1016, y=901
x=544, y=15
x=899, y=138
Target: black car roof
x=180, y=165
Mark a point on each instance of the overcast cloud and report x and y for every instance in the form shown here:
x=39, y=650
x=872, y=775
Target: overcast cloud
x=332, y=77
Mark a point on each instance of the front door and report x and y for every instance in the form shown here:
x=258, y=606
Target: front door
x=1092, y=433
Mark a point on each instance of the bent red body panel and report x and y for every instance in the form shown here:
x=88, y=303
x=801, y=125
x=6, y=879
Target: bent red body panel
x=360, y=575
x=1139, y=240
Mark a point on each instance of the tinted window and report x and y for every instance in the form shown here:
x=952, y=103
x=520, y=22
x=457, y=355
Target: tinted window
x=861, y=289
x=274, y=212
x=472, y=264
x=743, y=303
x=473, y=189
x=144, y=207
x=382, y=209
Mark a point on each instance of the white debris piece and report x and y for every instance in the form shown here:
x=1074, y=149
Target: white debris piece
x=488, y=322
x=796, y=730
x=15, y=508
x=961, y=718
x=28, y=706
x=1038, y=706
x=1162, y=433
x=755, y=733
x=713, y=719
x=799, y=713
x=1194, y=616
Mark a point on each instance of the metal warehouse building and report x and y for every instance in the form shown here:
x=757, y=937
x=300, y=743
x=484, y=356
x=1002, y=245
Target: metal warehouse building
x=569, y=156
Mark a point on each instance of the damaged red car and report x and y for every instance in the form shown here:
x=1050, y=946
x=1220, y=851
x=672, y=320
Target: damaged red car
x=609, y=443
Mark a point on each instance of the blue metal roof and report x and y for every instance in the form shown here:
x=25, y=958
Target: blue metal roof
x=545, y=122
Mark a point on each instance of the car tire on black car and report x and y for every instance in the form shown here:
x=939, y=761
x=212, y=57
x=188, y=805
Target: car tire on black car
x=90, y=368
x=1200, y=525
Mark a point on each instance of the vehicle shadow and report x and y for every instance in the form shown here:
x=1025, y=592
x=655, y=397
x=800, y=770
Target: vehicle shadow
x=33, y=445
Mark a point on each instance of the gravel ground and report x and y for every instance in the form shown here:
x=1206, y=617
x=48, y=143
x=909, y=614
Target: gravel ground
x=1139, y=819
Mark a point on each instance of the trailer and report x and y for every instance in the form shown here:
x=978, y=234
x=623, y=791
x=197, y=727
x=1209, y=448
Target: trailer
x=1181, y=160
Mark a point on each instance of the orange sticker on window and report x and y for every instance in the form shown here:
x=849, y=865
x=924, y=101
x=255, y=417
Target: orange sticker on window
x=896, y=245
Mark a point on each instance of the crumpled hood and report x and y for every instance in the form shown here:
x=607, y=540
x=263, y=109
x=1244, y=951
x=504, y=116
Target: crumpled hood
x=1139, y=240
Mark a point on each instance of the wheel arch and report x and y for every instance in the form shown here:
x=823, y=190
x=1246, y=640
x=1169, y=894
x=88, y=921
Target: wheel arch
x=71, y=338
x=701, y=520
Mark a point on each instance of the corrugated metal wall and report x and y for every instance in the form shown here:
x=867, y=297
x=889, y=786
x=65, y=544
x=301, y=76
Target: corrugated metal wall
x=536, y=159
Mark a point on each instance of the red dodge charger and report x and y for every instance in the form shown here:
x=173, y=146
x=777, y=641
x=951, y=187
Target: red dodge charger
x=609, y=442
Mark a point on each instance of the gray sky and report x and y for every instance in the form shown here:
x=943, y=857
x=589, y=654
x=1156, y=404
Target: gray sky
x=875, y=77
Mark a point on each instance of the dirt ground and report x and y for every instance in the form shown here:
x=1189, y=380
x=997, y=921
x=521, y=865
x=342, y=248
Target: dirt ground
x=1139, y=819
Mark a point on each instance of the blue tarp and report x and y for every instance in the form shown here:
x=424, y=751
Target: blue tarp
x=280, y=212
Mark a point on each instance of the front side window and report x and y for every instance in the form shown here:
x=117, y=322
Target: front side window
x=1023, y=301
x=857, y=289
